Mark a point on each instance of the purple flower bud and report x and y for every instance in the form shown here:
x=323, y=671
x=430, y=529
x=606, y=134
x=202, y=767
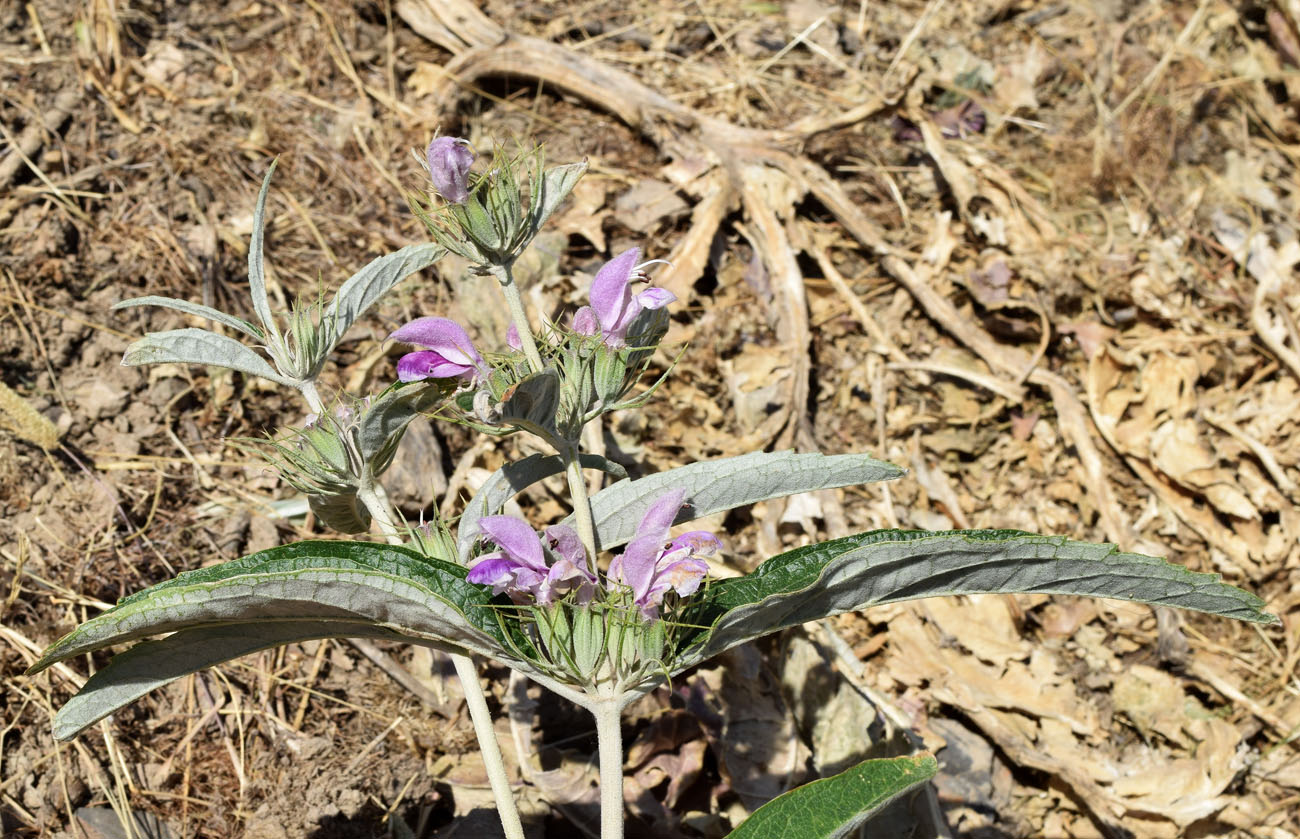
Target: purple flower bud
x=613, y=302
x=585, y=322
x=652, y=565
x=449, y=353
x=449, y=162
x=512, y=338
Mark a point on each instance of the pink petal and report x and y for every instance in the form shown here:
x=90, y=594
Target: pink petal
x=441, y=335
x=516, y=537
x=566, y=543
x=491, y=570
x=610, y=297
x=427, y=364
x=655, y=298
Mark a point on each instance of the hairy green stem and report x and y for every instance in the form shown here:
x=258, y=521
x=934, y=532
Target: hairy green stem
x=515, y=302
x=609, y=737
x=372, y=495
x=581, y=502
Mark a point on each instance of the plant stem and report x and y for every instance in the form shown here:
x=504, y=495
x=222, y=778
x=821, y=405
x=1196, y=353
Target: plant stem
x=581, y=502
x=609, y=737
x=515, y=302
x=491, y=749
x=372, y=495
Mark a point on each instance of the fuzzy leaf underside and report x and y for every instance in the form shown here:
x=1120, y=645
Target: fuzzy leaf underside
x=831, y=808
x=555, y=186
x=387, y=417
x=360, y=291
x=509, y=481
x=714, y=486
x=889, y=566
x=152, y=664
x=198, y=346
x=256, y=263
x=330, y=583
x=193, y=309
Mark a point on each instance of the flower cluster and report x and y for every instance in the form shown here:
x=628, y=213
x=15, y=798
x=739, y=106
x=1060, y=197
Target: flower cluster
x=535, y=569
x=519, y=567
x=589, y=376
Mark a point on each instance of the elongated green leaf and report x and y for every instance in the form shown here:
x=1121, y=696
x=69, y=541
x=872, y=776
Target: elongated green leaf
x=833, y=807
x=193, y=309
x=152, y=664
x=509, y=481
x=556, y=184
x=888, y=566
x=326, y=582
x=716, y=485
x=372, y=282
x=386, y=418
x=198, y=346
x=256, y=264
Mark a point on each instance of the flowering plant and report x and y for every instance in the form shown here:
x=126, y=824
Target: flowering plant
x=600, y=607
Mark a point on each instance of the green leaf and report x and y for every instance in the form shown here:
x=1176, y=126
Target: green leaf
x=256, y=265
x=198, y=346
x=386, y=418
x=372, y=282
x=152, y=664
x=334, y=584
x=509, y=481
x=833, y=807
x=889, y=566
x=716, y=485
x=555, y=185
x=341, y=511
x=193, y=309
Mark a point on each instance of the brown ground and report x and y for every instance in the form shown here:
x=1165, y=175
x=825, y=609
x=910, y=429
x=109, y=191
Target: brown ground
x=1076, y=318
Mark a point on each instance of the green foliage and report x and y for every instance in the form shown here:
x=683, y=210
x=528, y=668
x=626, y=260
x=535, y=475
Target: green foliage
x=833, y=807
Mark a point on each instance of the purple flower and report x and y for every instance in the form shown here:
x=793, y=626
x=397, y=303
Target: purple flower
x=449, y=162
x=613, y=302
x=519, y=566
x=449, y=353
x=651, y=565
x=512, y=338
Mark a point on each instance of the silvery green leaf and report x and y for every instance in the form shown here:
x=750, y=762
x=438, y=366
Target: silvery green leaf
x=509, y=481
x=338, y=585
x=341, y=511
x=194, y=309
x=152, y=664
x=832, y=808
x=372, y=282
x=889, y=566
x=530, y=403
x=716, y=485
x=198, y=346
x=256, y=264
x=386, y=419
x=555, y=185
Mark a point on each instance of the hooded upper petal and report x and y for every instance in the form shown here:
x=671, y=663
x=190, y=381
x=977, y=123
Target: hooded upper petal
x=611, y=297
x=516, y=538
x=442, y=335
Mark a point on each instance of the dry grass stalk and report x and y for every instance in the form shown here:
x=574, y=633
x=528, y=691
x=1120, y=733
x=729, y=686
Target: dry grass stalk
x=18, y=416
